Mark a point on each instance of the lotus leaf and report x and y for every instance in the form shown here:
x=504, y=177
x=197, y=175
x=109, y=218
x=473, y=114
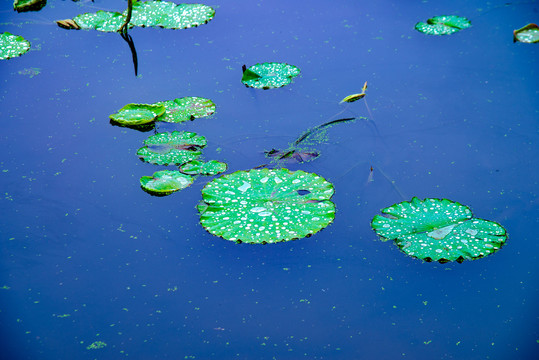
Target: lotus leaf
x=175, y=148
x=165, y=182
x=438, y=230
x=170, y=15
x=12, y=46
x=186, y=108
x=269, y=75
x=106, y=21
x=28, y=5
x=443, y=25
x=137, y=114
x=196, y=167
x=527, y=34
x=266, y=206
x=147, y=14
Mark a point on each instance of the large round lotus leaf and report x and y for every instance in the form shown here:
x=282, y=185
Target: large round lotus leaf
x=137, y=114
x=165, y=182
x=186, y=108
x=170, y=15
x=443, y=25
x=12, y=46
x=102, y=21
x=177, y=147
x=269, y=75
x=527, y=34
x=438, y=230
x=266, y=206
x=28, y=5
x=210, y=168
x=149, y=13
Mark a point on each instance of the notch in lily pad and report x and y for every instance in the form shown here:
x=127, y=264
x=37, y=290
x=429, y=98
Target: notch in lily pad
x=162, y=14
x=269, y=75
x=443, y=25
x=137, y=115
x=261, y=206
x=197, y=167
x=175, y=148
x=438, y=230
x=165, y=182
x=527, y=34
x=12, y=45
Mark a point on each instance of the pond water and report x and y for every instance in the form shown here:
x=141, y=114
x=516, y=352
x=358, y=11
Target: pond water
x=87, y=256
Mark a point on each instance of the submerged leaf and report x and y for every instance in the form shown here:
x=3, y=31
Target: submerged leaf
x=527, y=34
x=137, y=114
x=186, y=108
x=292, y=155
x=269, y=75
x=175, y=148
x=266, y=206
x=312, y=136
x=165, y=182
x=438, y=230
x=12, y=45
x=443, y=25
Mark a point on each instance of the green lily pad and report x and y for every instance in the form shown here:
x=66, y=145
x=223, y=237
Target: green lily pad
x=197, y=167
x=266, y=206
x=269, y=75
x=527, y=34
x=438, y=230
x=106, y=21
x=137, y=114
x=170, y=15
x=443, y=25
x=186, y=108
x=146, y=14
x=177, y=147
x=165, y=182
x=28, y=5
x=12, y=45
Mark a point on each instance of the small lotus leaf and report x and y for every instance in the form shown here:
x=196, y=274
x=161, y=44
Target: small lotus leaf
x=443, y=25
x=147, y=14
x=137, y=114
x=28, y=5
x=177, y=147
x=210, y=168
x=186, y=108
x=165, y=182
x=269, y=75
x=12, y=46
x=266, y=206
x=438, y=230
x=527, y=34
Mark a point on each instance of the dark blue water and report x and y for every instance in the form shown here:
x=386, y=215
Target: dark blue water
x=87, y=256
